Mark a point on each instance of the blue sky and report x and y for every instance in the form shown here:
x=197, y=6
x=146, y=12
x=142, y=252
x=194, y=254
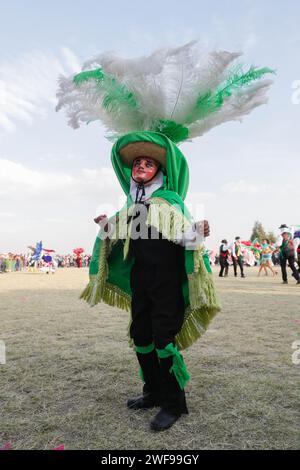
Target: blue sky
x=53, y=179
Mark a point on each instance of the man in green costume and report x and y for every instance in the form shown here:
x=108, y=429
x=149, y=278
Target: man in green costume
x=153, y=263
x=149, y=258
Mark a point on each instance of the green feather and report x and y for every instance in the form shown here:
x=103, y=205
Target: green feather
x=115, y=94
x=88, y=75
x=238, y=80
x=212, y=101
x=175, y=132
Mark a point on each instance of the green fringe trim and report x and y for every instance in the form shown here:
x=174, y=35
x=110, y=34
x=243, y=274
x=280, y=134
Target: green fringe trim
x=87, y=292
x=203, y=301
x=201, y=286
x=166, y=219
x=203, y=307
x=98, y=289
x=194, y=326
x=110, y=294
x=101, y=277
x=178, y=367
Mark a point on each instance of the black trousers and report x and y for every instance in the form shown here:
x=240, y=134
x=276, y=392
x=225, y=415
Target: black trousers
x=224, y=266
x=157, y=310
x=157, y=304
x=291, y=262
x=238, y=261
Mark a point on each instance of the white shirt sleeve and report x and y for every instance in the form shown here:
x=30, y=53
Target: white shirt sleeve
x=296, y=245
x=191, y=239
x=232, y=248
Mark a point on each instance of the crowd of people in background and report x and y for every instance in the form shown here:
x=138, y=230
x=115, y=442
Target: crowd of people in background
x=285, y=251
x=232, y=254
x=11, y=262
x=238, y=254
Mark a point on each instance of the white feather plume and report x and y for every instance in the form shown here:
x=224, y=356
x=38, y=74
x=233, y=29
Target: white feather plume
x=148, y=92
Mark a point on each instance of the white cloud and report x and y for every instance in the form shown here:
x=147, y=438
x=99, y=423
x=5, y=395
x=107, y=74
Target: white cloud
x=244, y=187
x=21, y=182
x=251, y=40
x=55, y=206
x=6, y=214
x=28, y=85
x=16, y=178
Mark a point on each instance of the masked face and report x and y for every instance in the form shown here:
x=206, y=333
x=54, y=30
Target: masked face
x=144, y=169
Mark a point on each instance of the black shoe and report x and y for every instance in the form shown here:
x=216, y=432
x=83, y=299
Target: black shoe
x=298, y=282
x=284, y=282
x=163, y=420
x=144, y=402
x=243, y=275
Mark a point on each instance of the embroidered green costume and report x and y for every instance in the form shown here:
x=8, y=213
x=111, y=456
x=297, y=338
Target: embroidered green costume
x=110, y=272
x=158, y=101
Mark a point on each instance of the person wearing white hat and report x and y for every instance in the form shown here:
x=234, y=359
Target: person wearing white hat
x=287, y=254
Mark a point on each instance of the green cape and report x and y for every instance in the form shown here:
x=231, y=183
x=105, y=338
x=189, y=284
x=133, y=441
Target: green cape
x=110, y=267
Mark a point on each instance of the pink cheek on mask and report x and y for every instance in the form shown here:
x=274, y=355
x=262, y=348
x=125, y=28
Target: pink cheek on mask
x=146, y=175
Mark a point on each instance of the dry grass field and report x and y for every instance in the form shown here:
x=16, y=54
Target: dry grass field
x=69, y=370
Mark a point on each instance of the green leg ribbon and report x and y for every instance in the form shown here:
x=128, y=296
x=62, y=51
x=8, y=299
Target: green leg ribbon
x=141, y=375
x=144, y=350
x=178, y=367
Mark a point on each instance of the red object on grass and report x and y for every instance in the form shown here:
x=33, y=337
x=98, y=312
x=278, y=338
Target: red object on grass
x=6, y=446
x=61, y=447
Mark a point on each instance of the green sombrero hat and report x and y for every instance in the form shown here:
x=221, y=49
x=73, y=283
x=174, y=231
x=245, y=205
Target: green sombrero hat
x=131, y=151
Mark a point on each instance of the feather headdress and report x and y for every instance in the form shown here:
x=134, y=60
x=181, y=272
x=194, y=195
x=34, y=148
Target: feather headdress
x=181, y=92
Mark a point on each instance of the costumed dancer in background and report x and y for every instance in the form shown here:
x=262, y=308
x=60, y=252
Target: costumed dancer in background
x=149, y=258
x=287, y=254
x=249, y=257
x=223, y=257
x=298, y=253
x=297, y=246
x=237, y=256
x=49, y=264
x=266, y=258
x=78, y=252
x=36, y=256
